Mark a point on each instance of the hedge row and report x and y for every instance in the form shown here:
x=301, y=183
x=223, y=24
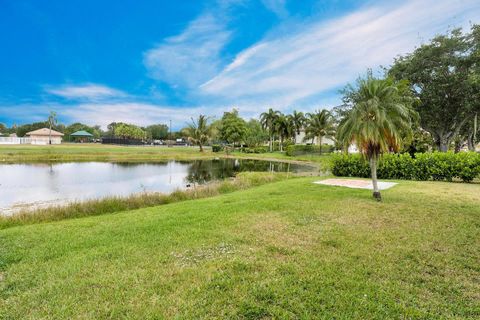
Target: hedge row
x=442, y=166
x=299, y=149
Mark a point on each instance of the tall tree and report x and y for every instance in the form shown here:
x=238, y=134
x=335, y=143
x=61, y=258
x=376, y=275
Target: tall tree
x=52, y=121
x=198, y=131
x=443, y=76
x=320, y=125
x=255, y=134
x=233, y=128
x=284, y=127
x=298, y=120
x=267, y=120
x=157, y=131
x=377, y=123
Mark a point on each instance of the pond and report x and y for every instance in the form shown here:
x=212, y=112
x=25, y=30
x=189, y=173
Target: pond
x=27, y=186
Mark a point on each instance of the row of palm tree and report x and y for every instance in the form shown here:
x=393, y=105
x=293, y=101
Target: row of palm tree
x=380, y=119
x=319, y=124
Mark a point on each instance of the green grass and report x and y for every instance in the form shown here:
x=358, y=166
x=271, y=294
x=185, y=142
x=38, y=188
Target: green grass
x=114, y=153
x=98, y=152
x=289, y=249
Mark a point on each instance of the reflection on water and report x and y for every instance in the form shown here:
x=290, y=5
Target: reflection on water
x=29, y=185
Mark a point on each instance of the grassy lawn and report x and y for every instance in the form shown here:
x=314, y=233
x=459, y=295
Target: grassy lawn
x=289, y=249
x=99, y=152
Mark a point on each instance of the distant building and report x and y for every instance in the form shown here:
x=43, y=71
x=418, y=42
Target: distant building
x=45, y=136
x=82, y=136
x=300, y=139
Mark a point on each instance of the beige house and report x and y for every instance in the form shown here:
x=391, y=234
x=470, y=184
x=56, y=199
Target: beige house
x=45, y=136
x=300, y=139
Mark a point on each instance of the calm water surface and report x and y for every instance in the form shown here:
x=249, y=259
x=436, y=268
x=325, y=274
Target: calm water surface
x=37, y=185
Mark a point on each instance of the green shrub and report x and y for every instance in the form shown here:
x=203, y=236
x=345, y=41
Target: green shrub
x=424, y=166
x=255, y=150
x=217, y=148
x=299, y=149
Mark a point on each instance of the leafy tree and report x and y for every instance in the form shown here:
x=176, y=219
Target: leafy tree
x=157, y=131
x=3, y=128
x=198, y=131
x=378, y=121
x=233, y=128
x=129, y=131
x=444, y=75
x=255, y=134
x=267, y=119
x=320, y=125
x=77, y=126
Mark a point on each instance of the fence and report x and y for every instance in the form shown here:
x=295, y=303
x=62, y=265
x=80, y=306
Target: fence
x=15, y=140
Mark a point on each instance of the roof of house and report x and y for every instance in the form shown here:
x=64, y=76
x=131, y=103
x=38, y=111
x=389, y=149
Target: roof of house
x=44, y=132
x=82, y=133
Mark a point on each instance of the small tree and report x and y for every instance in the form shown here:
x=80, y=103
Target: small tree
x=378, y=121
x=198, y=132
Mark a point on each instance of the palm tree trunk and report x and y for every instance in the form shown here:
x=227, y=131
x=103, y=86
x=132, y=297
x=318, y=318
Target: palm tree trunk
x=271, y=143
x=320, y=143
x=201, y=147
x=281, y=143
x=373, y=168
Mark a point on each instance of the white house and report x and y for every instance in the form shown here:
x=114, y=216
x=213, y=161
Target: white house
x=42, y=136
x=299, y=139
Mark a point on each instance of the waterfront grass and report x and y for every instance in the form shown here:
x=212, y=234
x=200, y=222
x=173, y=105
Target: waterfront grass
x=115, y=153
x=285, y=250
x=98, y=152
x=135, y=201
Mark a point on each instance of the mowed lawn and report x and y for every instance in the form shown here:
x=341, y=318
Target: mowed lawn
x=285, y=250
x=98, y=152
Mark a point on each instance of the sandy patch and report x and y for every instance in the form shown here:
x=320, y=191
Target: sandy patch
x=357, y=184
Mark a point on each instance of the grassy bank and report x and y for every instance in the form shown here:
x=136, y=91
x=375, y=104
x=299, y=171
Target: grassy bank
x=98, y=152
x=116, y=204
x=289, y=249
x=113, y=153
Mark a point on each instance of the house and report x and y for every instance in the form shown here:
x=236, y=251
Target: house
x=300, y=139
x=45, y=136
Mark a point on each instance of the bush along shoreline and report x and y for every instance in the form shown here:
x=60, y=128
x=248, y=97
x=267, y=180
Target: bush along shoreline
x=437, y=166
x=96, y=207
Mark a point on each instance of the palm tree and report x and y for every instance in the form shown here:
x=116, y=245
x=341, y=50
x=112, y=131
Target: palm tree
x=381, y=116
x=320, y=125
x=283, y=127
x=267, y=119
x=298, y=120
x=198, y=132
x=52, y=121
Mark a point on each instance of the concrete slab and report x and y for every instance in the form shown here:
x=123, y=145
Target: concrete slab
x=357, y=184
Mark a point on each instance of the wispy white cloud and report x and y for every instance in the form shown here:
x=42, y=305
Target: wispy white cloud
x=323, y=55
x=276, y=6
x=86, y=91
x=191, y=57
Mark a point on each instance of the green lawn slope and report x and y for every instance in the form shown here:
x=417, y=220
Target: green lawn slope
x=289, y=249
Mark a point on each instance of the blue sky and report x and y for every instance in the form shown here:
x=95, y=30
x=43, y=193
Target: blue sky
x=147, y=62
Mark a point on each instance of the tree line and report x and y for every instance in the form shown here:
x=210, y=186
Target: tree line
x=441, y=78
